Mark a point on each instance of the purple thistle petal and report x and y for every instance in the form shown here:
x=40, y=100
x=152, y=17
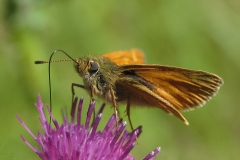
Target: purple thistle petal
x=95, y=125
x=89, y=114
x=79, y=112
x=29, y=145
x=23, y=124
x=152, y=154
x=80, y=141
x=118, y=133
x=52, y=118
x=73, y=109
x=127, y=151
x=39, y=106
x=101, y=108
x=110, y=123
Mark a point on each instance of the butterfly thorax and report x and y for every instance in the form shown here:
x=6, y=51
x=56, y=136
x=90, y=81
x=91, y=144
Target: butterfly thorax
x=98, y=74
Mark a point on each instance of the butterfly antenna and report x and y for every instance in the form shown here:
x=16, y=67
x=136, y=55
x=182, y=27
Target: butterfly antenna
x=49, y=72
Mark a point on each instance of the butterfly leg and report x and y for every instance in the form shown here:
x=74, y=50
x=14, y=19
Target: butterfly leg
x=114, y=105
x=91, y=100
x=76, y=85
x=83, y=87
x=128, y=115
x=92, y=94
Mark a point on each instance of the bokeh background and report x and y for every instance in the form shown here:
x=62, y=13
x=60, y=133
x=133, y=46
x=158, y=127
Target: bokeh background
x=201, y=35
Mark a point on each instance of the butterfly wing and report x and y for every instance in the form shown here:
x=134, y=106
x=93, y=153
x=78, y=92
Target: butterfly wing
x=141, y=95
x=133, y=56
x=175, y=88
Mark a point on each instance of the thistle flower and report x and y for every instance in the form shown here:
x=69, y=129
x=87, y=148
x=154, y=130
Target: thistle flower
x=73, y=140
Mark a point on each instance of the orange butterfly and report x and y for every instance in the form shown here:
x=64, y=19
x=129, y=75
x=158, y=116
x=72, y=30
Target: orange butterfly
x=122, y=77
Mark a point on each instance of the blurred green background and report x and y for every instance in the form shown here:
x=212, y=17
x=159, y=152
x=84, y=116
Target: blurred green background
x=201, y=35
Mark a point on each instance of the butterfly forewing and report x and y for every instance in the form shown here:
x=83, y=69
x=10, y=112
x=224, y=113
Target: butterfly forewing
x=182, y=88
x=134, y=56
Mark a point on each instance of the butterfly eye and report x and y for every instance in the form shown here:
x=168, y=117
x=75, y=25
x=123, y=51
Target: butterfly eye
x=93, y=66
